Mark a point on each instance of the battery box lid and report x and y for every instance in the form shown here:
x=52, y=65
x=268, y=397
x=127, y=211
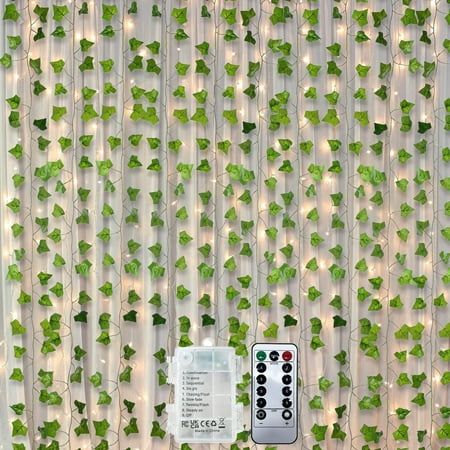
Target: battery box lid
x=204, y=408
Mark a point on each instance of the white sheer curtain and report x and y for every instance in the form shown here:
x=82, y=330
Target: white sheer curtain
x=202, y=173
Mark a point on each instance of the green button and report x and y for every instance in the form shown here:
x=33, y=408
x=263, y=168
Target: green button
x=261, y=356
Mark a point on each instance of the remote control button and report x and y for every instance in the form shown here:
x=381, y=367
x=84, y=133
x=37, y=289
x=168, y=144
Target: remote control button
x=287, y=379
x=261, y=390
x=286, y=414
x=261, y=414
x=274, y=356
x=286, y=367
x=287, y=356
x=261, y=367
x=287, y=391
x=261, y=402
x=286, y=403
x=261, y=356
x=261, y=379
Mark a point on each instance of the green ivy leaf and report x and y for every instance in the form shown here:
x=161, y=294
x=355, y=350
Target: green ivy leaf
x=108, y=11
x=11, y=13
x=157, y=431
x=360, y=17
x=180, y=15
x=312, y=16
x=319, y=432
x=18, y=428
x=271, y=331
x=229, y=15
x=59, y=12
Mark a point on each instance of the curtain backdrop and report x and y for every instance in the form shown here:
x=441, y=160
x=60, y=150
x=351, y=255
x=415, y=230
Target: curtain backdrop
x=243, y=171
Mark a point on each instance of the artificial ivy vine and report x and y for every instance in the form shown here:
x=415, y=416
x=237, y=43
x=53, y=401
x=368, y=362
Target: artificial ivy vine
x=258, y=170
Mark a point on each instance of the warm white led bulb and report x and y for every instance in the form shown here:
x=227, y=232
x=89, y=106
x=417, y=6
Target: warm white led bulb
x=208, y=342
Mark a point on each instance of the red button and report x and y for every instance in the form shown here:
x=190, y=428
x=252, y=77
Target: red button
x=287, y=356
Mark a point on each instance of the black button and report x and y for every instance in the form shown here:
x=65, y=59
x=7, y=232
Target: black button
x=286, y=414
x=274, y=356
x=286, y=391
x=261, y=390
x=287, y=379
x=287, y=403
x=261, y=379
x=261, y=414
x=261, y=402
x=287, y=367
x=261, y=367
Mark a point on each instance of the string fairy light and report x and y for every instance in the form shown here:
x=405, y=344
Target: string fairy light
x=346, y=132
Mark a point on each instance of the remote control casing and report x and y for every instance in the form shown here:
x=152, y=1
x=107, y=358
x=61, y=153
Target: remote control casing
x=274, y=429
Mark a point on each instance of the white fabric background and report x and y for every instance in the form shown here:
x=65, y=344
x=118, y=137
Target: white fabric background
x=145, y=338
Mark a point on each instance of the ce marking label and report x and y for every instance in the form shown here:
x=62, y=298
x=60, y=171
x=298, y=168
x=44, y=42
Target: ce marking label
x=207, y=423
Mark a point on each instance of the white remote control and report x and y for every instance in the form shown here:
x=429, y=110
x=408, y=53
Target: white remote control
x=274, y=393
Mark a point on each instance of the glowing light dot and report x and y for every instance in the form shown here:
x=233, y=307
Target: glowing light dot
x=207, y=342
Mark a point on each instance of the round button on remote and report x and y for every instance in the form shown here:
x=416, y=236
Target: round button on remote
x=287, y=356
x=261, y=414
x=286, y=367
x=261, y=356
x=286, y=414
x=274, y=356
x=287, y=379
x=261, y=402
x=286, y=403
x=261, y=379
x=261, y=390
x=261, y=367
x=286, y=391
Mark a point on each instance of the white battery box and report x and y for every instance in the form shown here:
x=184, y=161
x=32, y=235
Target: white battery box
x=204, y=409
